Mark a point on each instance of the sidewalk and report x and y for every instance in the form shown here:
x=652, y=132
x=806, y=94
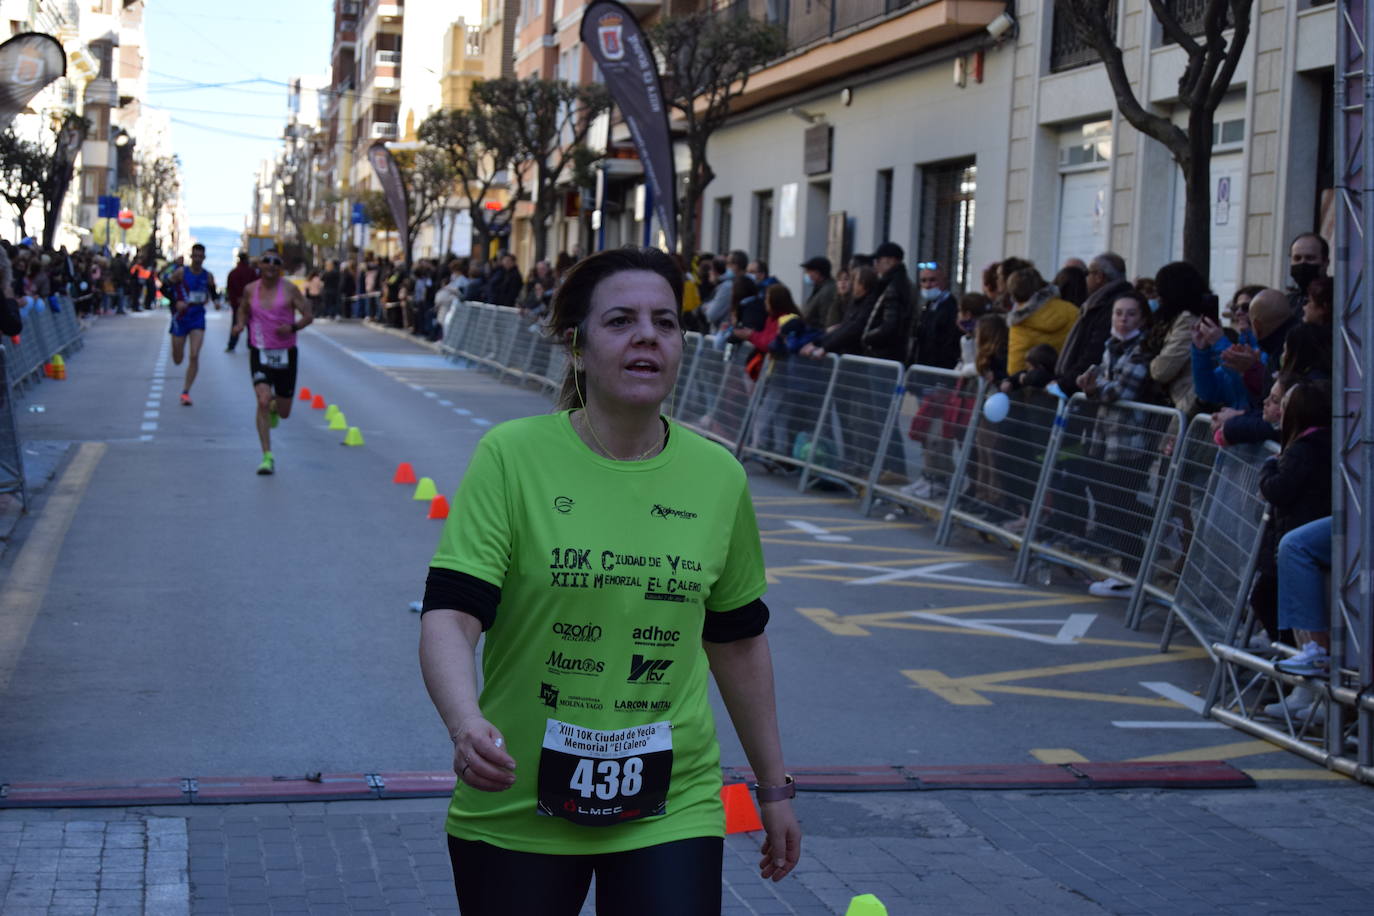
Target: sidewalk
x=1276, y=849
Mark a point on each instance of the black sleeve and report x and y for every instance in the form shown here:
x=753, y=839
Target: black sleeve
x=457, y=591
x=741, y=623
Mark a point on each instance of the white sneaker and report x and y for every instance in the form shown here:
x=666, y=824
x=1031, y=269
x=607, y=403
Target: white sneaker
x=1296, y=703
x=1312, y=661
x=1110, y=588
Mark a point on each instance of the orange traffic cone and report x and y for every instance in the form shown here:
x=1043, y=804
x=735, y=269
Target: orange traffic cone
x=305, y=394
x=740, y=814
x=404, y=473
x=318, y=403
x=438, y=507
x=47, y=370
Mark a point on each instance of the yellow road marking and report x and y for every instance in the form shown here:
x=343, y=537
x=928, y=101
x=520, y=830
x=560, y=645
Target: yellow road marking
x=833, y=527
x=1281, y=773
x=837, y=625
x=947, y=688
x=27, y=583
x=1216, y=752
x=800, y=500
x=793, y=542
x=1057, y=755
x=961, y=690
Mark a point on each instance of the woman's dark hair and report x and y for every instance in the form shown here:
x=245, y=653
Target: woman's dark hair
x=1181, y=288
x=573, y=301
x=1249, y=292
x=991, y=335
x=1073, y=284
x=1142, y=306
x=868, y=278
x=990, y=278
x=1307, y=404
x=1307, y=351
x=779, y=300
x=743, y=288
x=1010, y=266
x=1042, y=356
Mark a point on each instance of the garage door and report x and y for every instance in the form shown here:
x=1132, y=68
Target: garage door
x=1082, y=215
x=1228, y=213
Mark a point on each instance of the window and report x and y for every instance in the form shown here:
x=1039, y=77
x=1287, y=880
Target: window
x=883, y=211
x=948, y=190
x=723, y=208
x=1228, y=132
x=763, y=225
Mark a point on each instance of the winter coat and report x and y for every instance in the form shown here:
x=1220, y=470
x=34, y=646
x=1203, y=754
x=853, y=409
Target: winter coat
x=1297, y=482
x=888, y=331
x=937, y=333
x=1123, y=375
x=823, y=306
x=846, y=338
x=1087, y=337
x=1213, y=383
x=1172, y=367
x=1045, y=319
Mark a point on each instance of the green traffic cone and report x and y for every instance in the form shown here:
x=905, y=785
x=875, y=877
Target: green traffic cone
x=338, y=421
x=330, y=411
x=354, y=436
x=425, y=490
x=866, y=905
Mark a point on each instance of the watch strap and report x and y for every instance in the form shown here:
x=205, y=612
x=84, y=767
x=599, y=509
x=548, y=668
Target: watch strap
x=776, y=793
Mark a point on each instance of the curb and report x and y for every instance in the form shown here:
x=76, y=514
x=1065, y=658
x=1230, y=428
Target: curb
x=1212, y=774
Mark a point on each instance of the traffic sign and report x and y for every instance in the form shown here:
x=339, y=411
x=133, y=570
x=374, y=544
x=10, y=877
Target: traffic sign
x=125, y=219
x=107, y=206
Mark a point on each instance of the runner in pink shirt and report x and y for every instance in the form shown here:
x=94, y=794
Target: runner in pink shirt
x=268, y=310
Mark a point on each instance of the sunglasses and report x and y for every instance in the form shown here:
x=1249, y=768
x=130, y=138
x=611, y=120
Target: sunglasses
x=276, y=261
x=927, y=265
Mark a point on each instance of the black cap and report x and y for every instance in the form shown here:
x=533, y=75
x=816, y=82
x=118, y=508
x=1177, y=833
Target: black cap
x=817, y=263
x=889, y=250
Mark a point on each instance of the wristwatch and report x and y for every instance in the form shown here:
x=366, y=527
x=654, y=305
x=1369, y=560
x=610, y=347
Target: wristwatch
x=775, y=793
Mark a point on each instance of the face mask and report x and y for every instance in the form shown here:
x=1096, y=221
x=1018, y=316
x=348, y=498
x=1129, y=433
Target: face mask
x=930, y=294
x=966, y=326
x=1154, y=305
x=1303, y=274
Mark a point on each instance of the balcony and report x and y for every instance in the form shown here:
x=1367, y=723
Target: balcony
x=828, y=42
x=1192, y=15
x=384, y=130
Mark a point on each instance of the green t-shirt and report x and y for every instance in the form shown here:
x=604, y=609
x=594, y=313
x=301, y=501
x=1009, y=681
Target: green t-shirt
x=594, y=669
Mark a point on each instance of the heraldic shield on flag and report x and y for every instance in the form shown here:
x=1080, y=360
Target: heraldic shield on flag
x=610, y=29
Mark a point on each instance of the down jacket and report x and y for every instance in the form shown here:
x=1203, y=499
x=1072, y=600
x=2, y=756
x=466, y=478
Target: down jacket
x=1045, y=318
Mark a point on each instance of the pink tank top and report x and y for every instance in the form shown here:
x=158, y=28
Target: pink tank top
x=263, y=322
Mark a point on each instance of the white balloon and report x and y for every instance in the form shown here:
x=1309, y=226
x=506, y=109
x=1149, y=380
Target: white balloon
x=995, y=408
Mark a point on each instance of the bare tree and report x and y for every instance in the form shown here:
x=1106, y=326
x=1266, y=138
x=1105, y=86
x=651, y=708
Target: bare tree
x=550, y=119
x=479, y=144
x=1212, y=60
x=23, y=169
x=707, y=59
x=159, y=181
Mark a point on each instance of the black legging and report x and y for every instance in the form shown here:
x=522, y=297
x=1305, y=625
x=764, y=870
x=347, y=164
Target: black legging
x=672, y=879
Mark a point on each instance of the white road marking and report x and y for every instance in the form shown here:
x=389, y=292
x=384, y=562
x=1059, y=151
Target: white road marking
x=151, y=414
x=148, y=427
x=430, y=394
x=931, y=571
x=1177, y=694
x=145, y=438
x=445, y=403
x=817, y=531
x=461, y=412
x=414, y=387
x=480, y=422
x=152, y=402
x=987, y=626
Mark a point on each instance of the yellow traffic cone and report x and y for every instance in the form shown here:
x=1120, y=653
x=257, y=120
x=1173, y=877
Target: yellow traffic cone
x=354, y=436
x=338, y=420
x=866, y=905
x=425, y=490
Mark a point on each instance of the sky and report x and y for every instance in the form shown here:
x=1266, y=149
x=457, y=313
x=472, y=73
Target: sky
x=221, y=134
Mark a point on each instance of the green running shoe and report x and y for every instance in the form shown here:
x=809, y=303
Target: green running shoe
x=268, y=465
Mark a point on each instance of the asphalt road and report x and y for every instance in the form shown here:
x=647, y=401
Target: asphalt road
x=200, y=620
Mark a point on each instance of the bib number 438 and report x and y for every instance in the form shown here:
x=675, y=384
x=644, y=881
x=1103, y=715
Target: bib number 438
x=600, y=778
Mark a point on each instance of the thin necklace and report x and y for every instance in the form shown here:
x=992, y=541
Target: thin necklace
x=647, y=453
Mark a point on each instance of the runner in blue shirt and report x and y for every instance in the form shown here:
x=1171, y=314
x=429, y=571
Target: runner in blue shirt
x=192, y=287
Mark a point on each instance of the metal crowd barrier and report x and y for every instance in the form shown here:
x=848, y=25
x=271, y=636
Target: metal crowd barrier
x=46, y=334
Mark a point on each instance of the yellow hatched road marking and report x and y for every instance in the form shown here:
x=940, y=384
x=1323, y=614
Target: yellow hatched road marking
x=837, y=625
x=1215, y=752
x=953, y=690
x=1281, y=773
x=1057, y=755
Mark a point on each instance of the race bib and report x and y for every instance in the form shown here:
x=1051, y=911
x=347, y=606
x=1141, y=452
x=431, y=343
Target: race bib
x=601, y=778
x=197, y=297
x=275, y=359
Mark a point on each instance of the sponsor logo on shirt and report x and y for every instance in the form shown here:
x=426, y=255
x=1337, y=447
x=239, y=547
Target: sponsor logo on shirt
x=665, y=512
x=548, y=694
x=643, y=705
x=563, y=504
x=568, y=664
x=647, y=670
x=577, y=632
x=656, y=636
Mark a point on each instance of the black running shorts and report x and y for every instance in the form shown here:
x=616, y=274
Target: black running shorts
x=281, y=376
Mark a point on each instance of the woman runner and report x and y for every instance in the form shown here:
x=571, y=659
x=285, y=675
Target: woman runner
x=611, y=557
